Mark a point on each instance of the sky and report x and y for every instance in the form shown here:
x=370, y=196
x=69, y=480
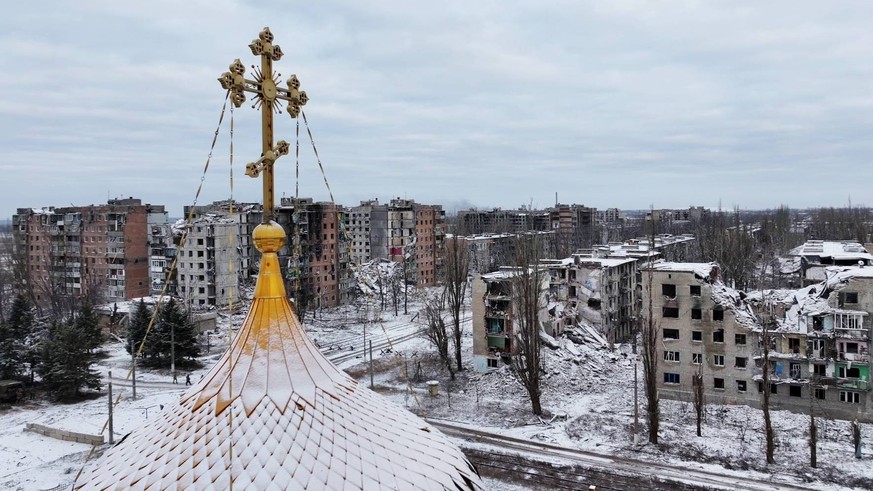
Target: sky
x=625, y=104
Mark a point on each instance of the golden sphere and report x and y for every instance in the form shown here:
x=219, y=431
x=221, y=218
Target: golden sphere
x=269, y=237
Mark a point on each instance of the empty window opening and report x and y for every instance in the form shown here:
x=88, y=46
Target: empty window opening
x=671, y=333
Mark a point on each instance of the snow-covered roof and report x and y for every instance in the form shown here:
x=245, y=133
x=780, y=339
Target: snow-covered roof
x=839, y=250
x=274, y=413
x=838, y=276
x=702, y=270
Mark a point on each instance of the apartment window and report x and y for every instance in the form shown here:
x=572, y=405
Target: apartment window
x=671, y=312
x=671, y=378
x=820, y=394
x=697, y=335
x=795, y=391
x=849, y=396
x=849, y=297
x=199, y=253
x=773, y=388
x=718, y=360
x=492, y=362
x=694, y=290
x=718, y=383
x=851, y=347
x=696, y=314
x=741, y=362
x=190, y=253
x=669, y=290
x=718, y=314
x=818, y=369
x=671, y=356
x=696, y=358
x=201, y=290
x=740, y=339
x=741, y=386
x=794, y=345
x=794, y=370
x=718, y=336
x=199, y=241
x=671, y=333
x=844, y=372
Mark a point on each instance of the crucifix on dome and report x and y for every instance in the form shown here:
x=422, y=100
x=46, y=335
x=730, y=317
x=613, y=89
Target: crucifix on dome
x=268, y=92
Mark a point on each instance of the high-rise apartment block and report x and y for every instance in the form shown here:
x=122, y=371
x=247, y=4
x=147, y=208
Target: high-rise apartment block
x=95, y=249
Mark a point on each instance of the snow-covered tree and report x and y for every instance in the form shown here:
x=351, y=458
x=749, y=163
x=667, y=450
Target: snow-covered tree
x=66, y=362
x=13, y=338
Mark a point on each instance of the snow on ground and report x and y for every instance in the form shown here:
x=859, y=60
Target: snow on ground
x=589, y=384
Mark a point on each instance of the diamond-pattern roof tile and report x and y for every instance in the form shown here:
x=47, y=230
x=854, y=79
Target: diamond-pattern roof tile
x=274, y=413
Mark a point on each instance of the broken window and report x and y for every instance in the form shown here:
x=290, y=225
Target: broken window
x=848, y=297
x=671, y=312
x=694, y=290
x=795, y=391
x=845, y=372
x=819, y=369
x=668, y=290
x=718, y=383
x=794, y=345
x=671, y=378
x=696, y=358
x=850, y=348
x=718, y=336
x=740, y=339
x=718, y=314
x=697, y=335
x=671, y=356
x=794, y=370
x=696, y=314
x=671, y=333
x=492, y=362
x=718, y=360
x=741, y=386
x=820, y=394
x=741, y=362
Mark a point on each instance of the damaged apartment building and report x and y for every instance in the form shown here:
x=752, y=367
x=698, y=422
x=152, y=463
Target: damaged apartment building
x=100, y=250
x=494, y=316
x=401, y=231
x=595, y=289
x=819, y=339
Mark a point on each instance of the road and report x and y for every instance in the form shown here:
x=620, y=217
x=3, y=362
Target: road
x=607, y=469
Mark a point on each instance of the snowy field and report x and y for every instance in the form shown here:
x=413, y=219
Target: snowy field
x=587, y=383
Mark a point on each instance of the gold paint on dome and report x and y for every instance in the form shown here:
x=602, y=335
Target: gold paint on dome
x=274, y=413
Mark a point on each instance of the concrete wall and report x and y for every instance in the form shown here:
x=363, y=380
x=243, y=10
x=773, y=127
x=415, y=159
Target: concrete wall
x=70, y=436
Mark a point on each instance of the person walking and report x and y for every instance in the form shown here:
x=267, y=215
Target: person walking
x=175, y=379
x=188, y=379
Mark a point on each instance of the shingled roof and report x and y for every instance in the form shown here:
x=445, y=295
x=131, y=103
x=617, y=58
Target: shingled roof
x=274, y=413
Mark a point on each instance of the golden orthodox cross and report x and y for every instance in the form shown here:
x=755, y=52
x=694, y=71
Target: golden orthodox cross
x=268, y=93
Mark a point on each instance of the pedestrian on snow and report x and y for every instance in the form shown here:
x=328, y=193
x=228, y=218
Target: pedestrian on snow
x=175, y=380
x=188, y=379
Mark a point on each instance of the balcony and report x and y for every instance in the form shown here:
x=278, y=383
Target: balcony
x=853, y=383
x=862, y=357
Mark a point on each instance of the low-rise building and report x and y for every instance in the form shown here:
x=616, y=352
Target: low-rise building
x=817, y=255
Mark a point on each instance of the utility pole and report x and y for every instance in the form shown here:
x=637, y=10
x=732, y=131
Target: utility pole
x=111, y=440
x=636, y=405
x=371, y=364
x=132, y=371
x=173, y=351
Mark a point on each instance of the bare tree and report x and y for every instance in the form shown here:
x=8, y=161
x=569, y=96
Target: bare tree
x=436, y=330
x=699, y=402
x=528, y=292
x=769, y=435
x=457, y=266
x=649, y=341
x=813, y=429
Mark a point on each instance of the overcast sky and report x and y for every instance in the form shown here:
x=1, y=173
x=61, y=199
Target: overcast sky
x=472, y=103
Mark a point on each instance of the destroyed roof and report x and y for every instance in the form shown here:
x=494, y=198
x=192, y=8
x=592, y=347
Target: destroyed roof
x=274, y=414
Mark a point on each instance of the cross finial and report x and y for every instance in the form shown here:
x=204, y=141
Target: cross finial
x=265, y=86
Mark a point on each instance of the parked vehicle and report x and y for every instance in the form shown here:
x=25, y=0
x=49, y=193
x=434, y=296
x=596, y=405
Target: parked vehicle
x=11, y=391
